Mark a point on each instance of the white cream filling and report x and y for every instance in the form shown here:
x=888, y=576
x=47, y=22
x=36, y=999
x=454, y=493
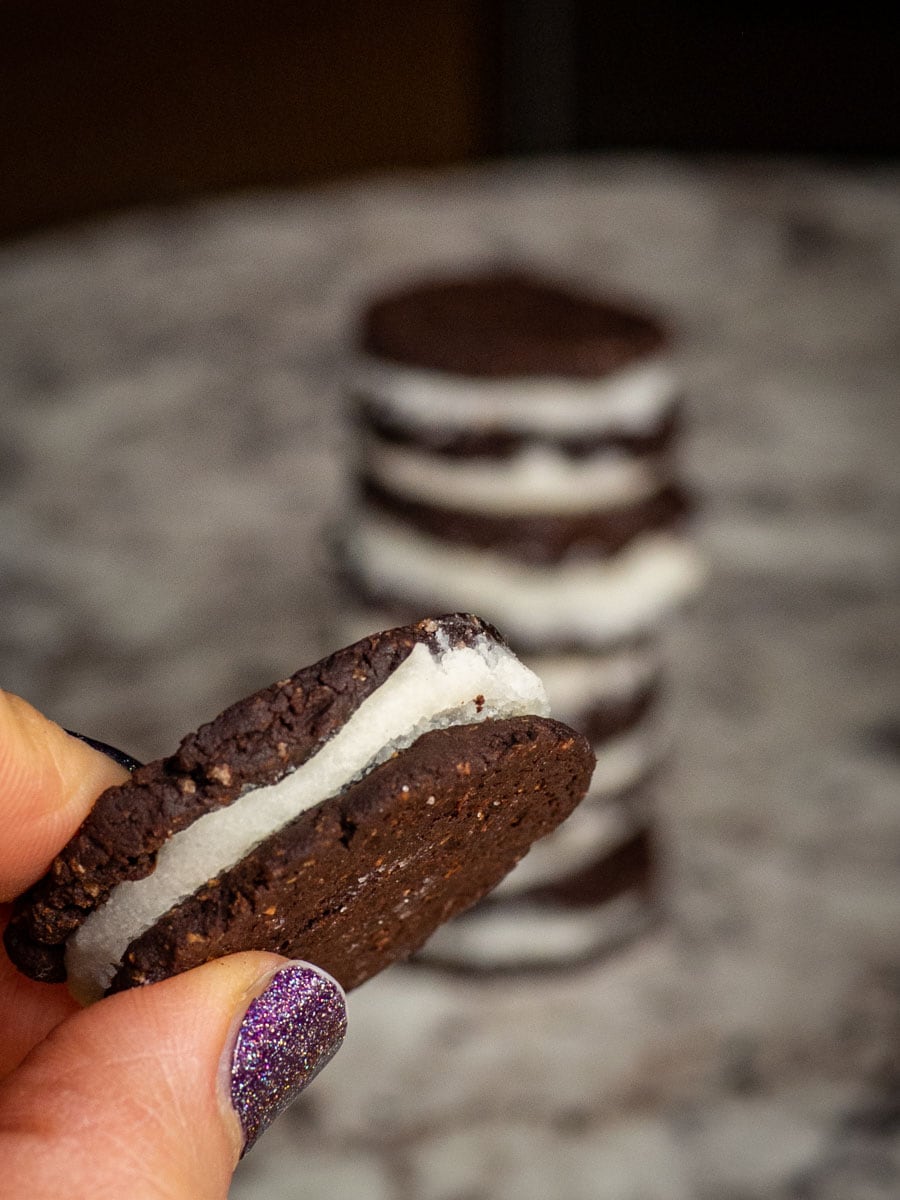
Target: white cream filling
x=538, y=479
x=532, y=934
x=429, y=690
x=599, y=600
x=588, y=834
x=630, y=400
x=576, y=683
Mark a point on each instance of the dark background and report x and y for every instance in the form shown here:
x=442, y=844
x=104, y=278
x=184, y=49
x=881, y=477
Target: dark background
x=109, y=102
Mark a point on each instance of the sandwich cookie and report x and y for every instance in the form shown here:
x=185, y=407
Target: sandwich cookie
x=516, y=448
x=337, y=816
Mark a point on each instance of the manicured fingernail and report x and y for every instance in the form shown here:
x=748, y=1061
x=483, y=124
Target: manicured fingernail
x=119, y=756
x=288, y=1034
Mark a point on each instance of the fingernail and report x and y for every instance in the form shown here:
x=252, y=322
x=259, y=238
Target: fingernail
x=119, y=756
x=288, y=1034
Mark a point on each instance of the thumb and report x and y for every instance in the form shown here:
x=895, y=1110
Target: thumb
x=154, y=1092
x=48, y=782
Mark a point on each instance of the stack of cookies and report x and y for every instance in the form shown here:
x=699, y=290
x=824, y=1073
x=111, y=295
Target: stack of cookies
x=516, y=460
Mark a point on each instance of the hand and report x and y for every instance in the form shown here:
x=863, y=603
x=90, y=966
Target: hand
x=153, y=1092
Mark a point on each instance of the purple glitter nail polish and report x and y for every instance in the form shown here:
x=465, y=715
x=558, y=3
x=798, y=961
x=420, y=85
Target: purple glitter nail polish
x=288, y=1034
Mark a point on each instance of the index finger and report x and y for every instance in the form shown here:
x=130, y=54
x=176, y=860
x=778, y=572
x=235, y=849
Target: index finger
x=49, y=781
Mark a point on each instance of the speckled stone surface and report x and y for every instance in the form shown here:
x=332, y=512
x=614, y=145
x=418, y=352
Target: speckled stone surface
x=170, y=472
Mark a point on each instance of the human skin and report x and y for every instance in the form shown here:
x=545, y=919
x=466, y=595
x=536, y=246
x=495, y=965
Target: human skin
x=130, y=1096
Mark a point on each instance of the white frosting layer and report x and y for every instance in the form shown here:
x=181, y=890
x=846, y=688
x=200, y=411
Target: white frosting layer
x=576, y=683
x=538, y=479
x=631, y=400
x=427, y=691
x=591, y=832
x=531, y=934
x=597, y=600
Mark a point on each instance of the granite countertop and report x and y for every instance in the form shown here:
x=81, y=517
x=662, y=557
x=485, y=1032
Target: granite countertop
x=171, y=467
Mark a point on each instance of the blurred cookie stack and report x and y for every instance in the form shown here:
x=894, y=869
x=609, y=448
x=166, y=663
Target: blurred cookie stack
x=515, y=459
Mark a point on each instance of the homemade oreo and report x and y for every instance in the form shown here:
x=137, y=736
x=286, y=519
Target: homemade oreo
x=340, y=816
x=515, y=456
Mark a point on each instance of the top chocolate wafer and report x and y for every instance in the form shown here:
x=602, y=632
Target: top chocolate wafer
x=507, y=325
